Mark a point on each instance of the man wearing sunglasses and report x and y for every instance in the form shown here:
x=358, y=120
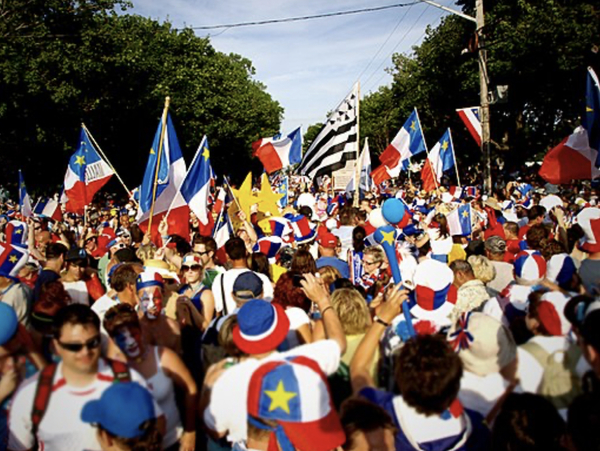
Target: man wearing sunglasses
x=79, y=377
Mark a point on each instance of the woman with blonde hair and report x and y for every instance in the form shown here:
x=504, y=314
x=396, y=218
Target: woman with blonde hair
x=484, y=271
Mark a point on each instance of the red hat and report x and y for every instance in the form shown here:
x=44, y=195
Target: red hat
x=328, y=240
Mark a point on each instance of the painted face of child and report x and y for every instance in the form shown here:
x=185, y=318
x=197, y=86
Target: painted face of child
x=129, y=341
x=151, y=301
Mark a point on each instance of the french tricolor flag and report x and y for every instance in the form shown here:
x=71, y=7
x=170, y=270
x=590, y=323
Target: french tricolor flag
x=223, y=231
x=277, y=153
x=196, y=185
x=470, y=117
x=48, y=208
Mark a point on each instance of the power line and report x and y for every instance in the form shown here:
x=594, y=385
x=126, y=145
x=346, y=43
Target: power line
x=302, y=18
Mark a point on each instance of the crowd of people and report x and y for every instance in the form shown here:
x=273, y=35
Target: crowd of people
x=294, y=334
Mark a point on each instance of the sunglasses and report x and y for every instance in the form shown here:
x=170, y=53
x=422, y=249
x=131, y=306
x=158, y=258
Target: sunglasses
x=92, y=343
x=185, y=268
x=203, y=253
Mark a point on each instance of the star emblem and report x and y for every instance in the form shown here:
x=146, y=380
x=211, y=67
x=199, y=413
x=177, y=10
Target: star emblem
x=444, y=145
x=589, y=109
x=13, y=259
x=18, y=231
x=152, y=152
x=388, y=237
x=268, y=200
x=280, y=398
x=465, y=214
x=413, y=125
x=80, y=160
x=205, y=153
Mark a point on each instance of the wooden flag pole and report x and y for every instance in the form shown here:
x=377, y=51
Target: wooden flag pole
x=158, y=157
x=454, y=156
x=358, y=166
x=103, y=155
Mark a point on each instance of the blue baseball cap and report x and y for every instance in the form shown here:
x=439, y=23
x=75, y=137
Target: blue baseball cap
x=8, y=323
x=114, y=412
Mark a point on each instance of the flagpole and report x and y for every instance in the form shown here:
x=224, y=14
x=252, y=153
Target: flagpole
x=427, y=150
x=357, y=167
x=158, y=157
x=97, y=146
x=20, y=197
x=454, y=156
x=231, y=192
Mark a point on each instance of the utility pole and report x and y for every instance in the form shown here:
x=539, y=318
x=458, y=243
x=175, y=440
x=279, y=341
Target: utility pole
x=484, y=100
x=484, y=109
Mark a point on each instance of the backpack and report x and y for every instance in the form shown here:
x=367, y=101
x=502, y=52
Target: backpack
x=44, y=389
x=560, y=384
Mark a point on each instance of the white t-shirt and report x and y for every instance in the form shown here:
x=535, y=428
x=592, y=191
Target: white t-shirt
x=530, y=372
x=298, y=318
x=481, y=393
x=228, y=409
x=78, y=292
x=228, y=281
x=344, y=233
x=61, y=428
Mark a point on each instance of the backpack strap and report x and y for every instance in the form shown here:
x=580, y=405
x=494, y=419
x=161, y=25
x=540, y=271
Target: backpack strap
x=42, y=396
x=225, y=312
x=538, y=353
x=120, y=371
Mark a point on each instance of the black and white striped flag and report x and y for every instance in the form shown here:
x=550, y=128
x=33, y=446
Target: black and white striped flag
x=336, y=143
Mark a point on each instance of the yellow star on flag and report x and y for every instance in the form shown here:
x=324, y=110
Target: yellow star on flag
x=245, y=197
x=413, y=125
x=18, y=231
x=388, y=237
x=13, y=259
x=280, y=398
x=80, y=160
x=445, y=145
x=465, y=214
x=589, y=109
x=205, y=153
x=267, y=198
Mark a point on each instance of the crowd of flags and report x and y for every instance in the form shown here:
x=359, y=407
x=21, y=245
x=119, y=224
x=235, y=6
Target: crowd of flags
x=170, y=189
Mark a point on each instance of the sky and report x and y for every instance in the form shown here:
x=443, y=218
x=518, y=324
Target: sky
x=307, y=66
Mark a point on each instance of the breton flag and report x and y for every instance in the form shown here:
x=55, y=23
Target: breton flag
x=277, y=153
x=24, y=199
x=591, y=119
x=572, y=159
x=196, y=186
x=171, y=172
x=366, y=182
x=459, y=220
x=440, y=159
x=336, y=142
x=408, y=142
x=48, y=208
x=86, y=174
x=470, y=117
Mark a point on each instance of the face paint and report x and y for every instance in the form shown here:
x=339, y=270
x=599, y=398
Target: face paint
x=151, y=302
x=129, y=340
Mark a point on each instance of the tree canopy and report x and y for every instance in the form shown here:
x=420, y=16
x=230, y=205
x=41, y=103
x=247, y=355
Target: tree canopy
x=67, y=62
x=540, y=49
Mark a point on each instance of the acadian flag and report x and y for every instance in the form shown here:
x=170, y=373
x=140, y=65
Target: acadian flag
x=12, y=259
x=440, y=159
x=86, y=174
x=283, y=190
x=366, y=182
x=408, y=142
x=470, y=117
x=171, y=173
x=459, y=220
x=48, y=208
x=24, y=199
x=277, y=153
x=16, y=233
x=196, y=186
x=591, y=119
x=223, y=231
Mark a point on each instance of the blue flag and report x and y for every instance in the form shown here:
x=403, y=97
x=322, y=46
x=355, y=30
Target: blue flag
x=591, y=120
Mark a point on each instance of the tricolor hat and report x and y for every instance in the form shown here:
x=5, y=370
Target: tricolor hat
x=551, y=313
x=149, y=278
x=269, y=246
x=261, y=327
x=16, y=233
x=282, y=228
x=12, y=259
x=304, y=231
x=589, y=220
x=295, y=395
x=434, y=295
x=113, y=410
x=560, y=270
x=530, y=267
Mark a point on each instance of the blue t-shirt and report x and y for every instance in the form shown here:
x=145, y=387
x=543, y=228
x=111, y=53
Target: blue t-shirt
x=338, y=264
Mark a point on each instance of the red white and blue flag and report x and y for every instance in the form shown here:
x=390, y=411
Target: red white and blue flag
x=48, y=208
x=277, y=153
x=223, y=231
x=439, y=160
x=171, y=173
x=470, y=117
x=12, y=259
x=24, y=199
x=86, y=174
x=196, y=185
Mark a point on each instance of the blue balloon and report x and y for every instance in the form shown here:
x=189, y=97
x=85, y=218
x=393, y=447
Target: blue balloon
x=393, y=210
